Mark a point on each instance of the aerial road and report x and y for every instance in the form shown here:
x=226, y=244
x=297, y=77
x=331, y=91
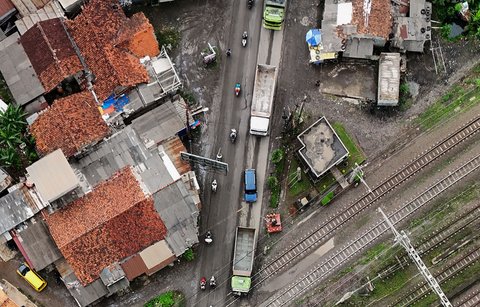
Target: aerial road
x=219, y=212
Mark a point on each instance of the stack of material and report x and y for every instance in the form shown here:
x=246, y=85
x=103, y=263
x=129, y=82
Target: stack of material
x=273, y=222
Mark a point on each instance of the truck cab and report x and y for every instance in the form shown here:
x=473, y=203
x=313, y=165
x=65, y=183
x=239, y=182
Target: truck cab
x=250, y=186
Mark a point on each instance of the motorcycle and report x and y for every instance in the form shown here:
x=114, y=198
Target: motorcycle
x=208, y=237
x=244, y=38
x=250, y=4
x=233, y=135
x=203, y=283
x=238, y=88
x=229, y=52
x=214, y=185
x=213, y=283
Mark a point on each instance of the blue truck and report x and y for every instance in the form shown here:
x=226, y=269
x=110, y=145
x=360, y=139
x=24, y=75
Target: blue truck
x=250, y=186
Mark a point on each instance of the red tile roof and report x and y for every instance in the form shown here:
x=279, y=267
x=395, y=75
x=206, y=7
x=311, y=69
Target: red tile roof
x=113, y=222
x=379, y=19
x=6, y=6
x=71, y=123
x=112, y=53
x=50, y=52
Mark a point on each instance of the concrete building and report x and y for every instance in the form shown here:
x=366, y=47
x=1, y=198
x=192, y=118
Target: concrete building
x=411, y=30
x=321, y=148
x=354, y=28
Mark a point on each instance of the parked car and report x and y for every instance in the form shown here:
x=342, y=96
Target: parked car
x=32, y=277
x=250, y=186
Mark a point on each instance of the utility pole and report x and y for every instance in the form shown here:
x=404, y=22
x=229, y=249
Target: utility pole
x=403, y=239
x=359, y=173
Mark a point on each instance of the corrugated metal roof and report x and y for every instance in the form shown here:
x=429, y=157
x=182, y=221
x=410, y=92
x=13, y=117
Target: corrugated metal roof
x=388, y=79
x=18, y=72
x=14, y=209
x=179, y=212
x=124, y=148
x=173, y=147
x=134, y=267
x=112, y=274
x=83, y=295
x=161, y=123
x=39, y=245
x=53, y=176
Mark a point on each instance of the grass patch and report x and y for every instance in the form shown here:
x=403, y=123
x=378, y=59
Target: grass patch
x=167, y=299
x=325, y=183
x=373, y=253
x=356, y=155
x=460, y=97
x=301, y=186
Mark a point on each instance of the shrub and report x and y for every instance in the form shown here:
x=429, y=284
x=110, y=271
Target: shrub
x=277, y=156
x=189, y=255
x=163, y=300
x=272, y=182
x=404, y=89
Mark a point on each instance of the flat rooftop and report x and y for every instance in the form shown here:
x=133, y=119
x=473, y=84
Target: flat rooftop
x=321, y=147
x=388, y=79
x=53, y=176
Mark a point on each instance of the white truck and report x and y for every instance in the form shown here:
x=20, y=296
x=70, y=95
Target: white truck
x=262, y=101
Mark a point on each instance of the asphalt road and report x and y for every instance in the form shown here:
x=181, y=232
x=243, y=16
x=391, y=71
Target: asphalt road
x=220, y=209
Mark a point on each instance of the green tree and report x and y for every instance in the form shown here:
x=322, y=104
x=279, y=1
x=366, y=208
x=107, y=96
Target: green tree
x=10, y=138
x=9, y=157
x=277, y=156
x=13, y=119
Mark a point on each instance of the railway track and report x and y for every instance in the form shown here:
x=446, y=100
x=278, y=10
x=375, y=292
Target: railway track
x=471, y=300
x=447, y=273
x=325, y=230
x=438, y=237
x=322, y=232
x=355, y=246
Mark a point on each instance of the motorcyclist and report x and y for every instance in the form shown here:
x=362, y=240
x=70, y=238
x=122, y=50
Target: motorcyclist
x=238, y=88
x=229, y=52
x=203, y=283
x=208, y=237
x=214, y=185
x=244, y=35
x=213, y=283
x=233, y=134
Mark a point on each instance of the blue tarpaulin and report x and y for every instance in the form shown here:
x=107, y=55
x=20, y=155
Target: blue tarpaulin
x=117, y=102
x=313, y=37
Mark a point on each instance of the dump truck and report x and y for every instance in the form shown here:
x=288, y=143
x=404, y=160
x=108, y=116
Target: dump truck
x=274, y=14
x=243, y=255
x=262, y=101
